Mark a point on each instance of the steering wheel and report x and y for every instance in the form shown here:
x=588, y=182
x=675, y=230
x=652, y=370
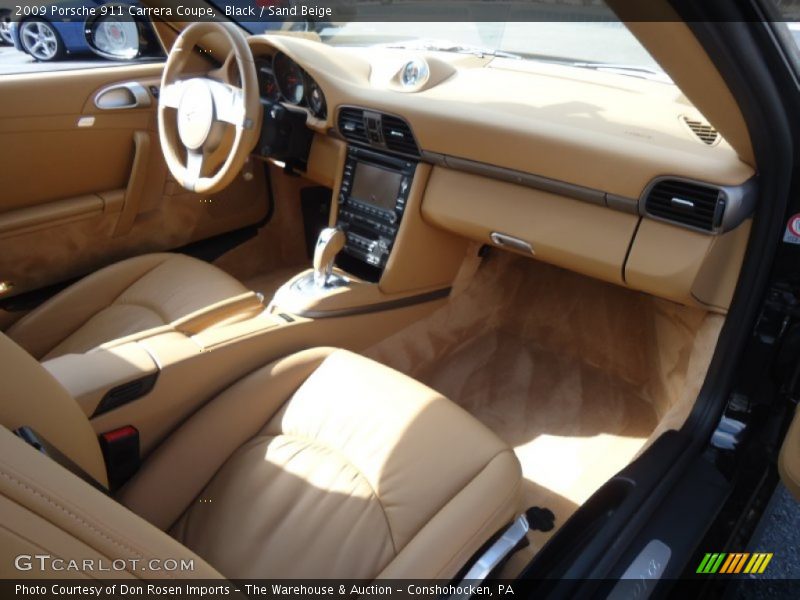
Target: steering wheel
x=196, y=114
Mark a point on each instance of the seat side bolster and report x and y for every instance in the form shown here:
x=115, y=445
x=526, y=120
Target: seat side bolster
x=48, y=325
x=462, y=526
x=46, y=507
x=31, y=397
x=202, y=445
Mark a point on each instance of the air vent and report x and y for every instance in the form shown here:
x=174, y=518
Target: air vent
x=351, y=125
x=398, y=137
x=705, y=132
x=377, y=130
x=691, y=204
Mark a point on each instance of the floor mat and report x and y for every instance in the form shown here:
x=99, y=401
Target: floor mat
x=572, y=425
x=573, y=373
x=279, y=244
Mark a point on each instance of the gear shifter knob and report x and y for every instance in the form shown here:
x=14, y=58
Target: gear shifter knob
x=329, y=243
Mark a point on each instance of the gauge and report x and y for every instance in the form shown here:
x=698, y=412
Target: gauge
x=266, y=81
x=290, y=77
x=269, y=88
x=414, y=73
x=316, y=100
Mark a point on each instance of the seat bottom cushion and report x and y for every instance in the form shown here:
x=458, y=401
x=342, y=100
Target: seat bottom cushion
x=281, y=489
x=356, y=472
x=129, y=297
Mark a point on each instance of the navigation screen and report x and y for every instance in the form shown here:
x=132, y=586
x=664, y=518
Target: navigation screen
x=376, y=186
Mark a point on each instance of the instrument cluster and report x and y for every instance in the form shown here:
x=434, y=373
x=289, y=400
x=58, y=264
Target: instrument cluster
x=281, y=79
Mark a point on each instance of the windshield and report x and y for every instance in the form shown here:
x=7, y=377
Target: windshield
x=606, y=42
x=584, y=33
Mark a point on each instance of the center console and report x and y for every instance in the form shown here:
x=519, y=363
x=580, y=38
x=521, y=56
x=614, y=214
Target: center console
x=372, y=200
x=377, y=253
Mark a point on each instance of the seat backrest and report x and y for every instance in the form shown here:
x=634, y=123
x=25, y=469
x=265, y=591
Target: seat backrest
x=31, y=397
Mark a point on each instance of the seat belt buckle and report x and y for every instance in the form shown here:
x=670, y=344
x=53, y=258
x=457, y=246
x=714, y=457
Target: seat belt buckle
x=120, y=449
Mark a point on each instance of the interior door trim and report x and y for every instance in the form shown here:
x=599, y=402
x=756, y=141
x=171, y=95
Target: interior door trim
x=32, y=218
x=136, y=183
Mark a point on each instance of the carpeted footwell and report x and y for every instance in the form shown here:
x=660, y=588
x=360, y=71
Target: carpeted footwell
x=576, y=374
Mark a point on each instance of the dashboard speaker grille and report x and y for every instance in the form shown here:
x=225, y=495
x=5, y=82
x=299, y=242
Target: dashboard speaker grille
x=691, y=204
x=705, y=132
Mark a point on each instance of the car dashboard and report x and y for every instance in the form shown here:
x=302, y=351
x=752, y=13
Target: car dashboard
x=612, y=176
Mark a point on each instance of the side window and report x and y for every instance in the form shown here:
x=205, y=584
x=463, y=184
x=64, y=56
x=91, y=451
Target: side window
x=53, y=35
x=789, y=12
x=794, y=29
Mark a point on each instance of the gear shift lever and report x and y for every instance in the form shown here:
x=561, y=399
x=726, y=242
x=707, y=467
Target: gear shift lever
x=329, y=243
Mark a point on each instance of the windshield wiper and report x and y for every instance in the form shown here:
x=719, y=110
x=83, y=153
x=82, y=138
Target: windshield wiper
x=632, y=70
x=433, y=46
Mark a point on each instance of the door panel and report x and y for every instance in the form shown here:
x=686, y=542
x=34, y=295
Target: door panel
x=85, y=186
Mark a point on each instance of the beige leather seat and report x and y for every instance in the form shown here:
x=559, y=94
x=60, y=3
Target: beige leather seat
x=132, y=296
x=321, y=464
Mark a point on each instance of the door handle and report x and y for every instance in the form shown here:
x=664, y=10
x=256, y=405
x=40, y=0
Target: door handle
x=123, y=96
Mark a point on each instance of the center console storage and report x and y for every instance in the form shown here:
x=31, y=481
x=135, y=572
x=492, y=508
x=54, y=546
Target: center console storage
x=154, y=380
x=372, y=200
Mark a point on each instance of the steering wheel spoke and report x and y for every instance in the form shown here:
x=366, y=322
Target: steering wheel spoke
x=229, y=104
x=170, y=95
x=195, y=160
